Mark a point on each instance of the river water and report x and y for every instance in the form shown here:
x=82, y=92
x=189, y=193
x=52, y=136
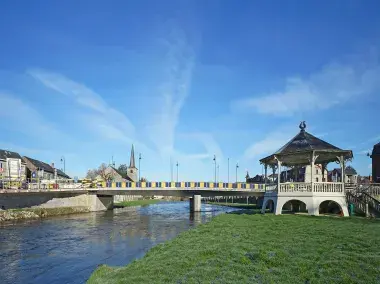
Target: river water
x=67, y=249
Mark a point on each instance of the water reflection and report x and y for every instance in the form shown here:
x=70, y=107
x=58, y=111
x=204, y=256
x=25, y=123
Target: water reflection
x=67, y=249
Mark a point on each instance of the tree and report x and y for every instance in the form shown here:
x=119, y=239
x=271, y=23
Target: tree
x=103, y=171
x=123, y=168
x=143, y=179
x=92, y=173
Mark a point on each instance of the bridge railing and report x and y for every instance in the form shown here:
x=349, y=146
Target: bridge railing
x=150, y=185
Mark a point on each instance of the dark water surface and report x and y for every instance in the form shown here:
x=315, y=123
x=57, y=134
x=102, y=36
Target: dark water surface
x=67, y=249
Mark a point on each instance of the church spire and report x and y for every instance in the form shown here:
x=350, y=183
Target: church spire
x=132, y=161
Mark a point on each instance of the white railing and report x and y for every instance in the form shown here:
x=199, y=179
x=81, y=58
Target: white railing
x=296, y=187
x=328, y=187
x=271, y=187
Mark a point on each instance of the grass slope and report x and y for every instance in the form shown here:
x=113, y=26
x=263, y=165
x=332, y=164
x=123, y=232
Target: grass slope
x=236, y=205
x=256, y=248
x=136, y=203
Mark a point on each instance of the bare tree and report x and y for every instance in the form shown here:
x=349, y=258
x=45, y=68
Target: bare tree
x=92, y=174
x=105, y=172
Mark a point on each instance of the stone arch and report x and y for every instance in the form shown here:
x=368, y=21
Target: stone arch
x=293, y=206
x=269, y=205
x=330, y=207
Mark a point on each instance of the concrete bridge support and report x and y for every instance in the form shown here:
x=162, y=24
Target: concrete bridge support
x=99, y=202
x=195, y=203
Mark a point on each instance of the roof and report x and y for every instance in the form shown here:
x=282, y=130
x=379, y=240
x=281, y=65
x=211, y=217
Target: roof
x=349, y=171
x=123, y=175
x=62, y=174
x=376, y=149
x=41, y=165
x=132, y=160
x=5, y=154
x=297, y=151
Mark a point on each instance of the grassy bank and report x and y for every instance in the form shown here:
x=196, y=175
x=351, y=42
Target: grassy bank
x=236, y=205
x=143, y=202
x=235, y=248
x=33, y=213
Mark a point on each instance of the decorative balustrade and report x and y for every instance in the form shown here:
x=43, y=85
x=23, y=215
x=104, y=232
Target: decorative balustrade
x=271, y=187
x=320, y=187
x=328, y=187
x=296, y=187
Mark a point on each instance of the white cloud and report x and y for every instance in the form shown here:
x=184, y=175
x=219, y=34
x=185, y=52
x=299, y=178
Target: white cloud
x=271, y=143
x=105, y=120
x=334, y=84
x=178, y=62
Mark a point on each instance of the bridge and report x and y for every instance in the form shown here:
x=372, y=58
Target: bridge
x=101, y=197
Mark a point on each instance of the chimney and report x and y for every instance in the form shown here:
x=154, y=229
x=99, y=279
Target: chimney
x=52, y=165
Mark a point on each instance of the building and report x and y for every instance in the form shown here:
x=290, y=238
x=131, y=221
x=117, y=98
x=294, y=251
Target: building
x=376, y=163
x=12, y=167
x=350, y=175
x=303, y=174
x=36, y=169
x=113, y=174
x=132, y=172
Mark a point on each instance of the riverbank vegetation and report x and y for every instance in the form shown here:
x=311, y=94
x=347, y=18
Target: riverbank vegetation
x=242, y=248
x=35, y=213
x=142, y=202
x=237, y=205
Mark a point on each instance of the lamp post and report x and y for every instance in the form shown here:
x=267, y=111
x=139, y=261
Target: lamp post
x=237, y=166
x=139, y=166
x=215, y=168
x=177, y=170
x=64, y=163
x=228, y=170
x=218, y=174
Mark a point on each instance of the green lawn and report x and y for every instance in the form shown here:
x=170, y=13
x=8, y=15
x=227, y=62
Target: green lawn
x=236, y=205
x=143, y=202
x=235, y=248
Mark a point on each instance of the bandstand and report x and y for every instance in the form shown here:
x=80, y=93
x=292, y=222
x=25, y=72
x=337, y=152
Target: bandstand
x=302, y=151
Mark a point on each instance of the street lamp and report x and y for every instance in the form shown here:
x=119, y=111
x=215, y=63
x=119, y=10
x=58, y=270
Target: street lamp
x=218, y=174
x=237, y=166
x=177, y=170
x=64, y=163
x=139, y=166
x=228, y=170
x=215, y=167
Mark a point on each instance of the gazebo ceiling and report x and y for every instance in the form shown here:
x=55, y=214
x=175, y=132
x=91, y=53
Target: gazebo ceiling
x=298, y=151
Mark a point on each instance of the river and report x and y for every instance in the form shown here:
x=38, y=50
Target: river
x=67, y=249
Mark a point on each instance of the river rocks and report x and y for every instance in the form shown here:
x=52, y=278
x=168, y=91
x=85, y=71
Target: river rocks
x=9, y=215
x=33, y=213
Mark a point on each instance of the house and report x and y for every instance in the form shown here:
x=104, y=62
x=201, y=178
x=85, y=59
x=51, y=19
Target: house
x=36, y=169
x=255, y=179
x=12, y=167
x=301, y=174
x=351, y=176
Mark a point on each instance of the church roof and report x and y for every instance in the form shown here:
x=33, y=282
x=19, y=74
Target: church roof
x=132, y=163
x=297, y=150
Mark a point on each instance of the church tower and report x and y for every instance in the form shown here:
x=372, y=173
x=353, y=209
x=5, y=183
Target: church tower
x=132, y=170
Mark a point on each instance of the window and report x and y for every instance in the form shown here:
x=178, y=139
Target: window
x=316, y=179
x=316, y=171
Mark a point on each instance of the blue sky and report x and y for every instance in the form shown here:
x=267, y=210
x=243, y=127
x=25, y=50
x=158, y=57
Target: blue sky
x=185, y=80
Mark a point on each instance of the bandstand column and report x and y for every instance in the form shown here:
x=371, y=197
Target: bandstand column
x=265, y=176
x=278, y=174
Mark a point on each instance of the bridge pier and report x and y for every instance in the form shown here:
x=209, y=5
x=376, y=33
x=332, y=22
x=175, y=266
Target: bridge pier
x=195, y=203
x=96, y=202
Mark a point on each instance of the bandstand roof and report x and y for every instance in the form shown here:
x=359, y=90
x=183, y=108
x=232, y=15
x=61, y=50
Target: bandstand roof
x=299, y=149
